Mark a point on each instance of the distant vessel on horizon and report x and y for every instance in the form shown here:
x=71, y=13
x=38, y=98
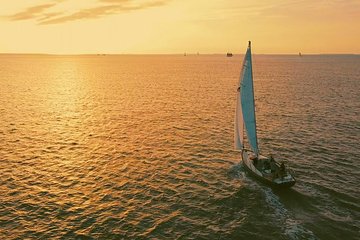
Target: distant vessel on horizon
x=300, y=54
x=229, y=54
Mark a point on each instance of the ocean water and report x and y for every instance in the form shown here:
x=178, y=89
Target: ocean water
x=141, y=147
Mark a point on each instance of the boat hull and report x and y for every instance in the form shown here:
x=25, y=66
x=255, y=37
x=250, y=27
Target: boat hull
x=275, y=183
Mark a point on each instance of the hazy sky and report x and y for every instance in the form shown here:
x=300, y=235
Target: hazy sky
x=177, y=26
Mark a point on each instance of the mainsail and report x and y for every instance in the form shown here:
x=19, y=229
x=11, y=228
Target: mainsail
x=245, y=109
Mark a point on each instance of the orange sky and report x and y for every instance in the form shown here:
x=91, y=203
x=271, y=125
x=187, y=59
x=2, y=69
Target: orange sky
x=177, y=26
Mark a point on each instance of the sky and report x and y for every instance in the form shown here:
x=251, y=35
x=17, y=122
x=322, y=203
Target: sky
x=178, y=26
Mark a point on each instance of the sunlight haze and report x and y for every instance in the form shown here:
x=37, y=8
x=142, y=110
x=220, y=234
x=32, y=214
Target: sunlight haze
x=178, y=26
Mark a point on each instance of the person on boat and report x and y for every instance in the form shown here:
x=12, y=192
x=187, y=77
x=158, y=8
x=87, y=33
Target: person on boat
x=255, y=162
x=273, y=166
x=282, y=171
x=267, y=166
x=260, y=165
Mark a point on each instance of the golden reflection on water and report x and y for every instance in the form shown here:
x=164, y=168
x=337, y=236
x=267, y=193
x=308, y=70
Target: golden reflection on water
x=128, y=146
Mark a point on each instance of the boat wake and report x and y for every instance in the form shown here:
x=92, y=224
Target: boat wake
x=237, y=171
x=293, y=228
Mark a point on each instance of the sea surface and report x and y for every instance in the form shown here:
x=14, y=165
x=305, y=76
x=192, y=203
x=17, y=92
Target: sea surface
x=141, y=147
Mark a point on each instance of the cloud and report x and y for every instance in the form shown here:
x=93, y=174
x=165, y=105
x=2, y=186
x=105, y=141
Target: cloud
x=107, y=7
x=114, y=1
x=83, y=14
x=32, y=12
x=46, y=16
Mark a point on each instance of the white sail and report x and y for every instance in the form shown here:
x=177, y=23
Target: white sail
x=247, y=101
x=239, y=124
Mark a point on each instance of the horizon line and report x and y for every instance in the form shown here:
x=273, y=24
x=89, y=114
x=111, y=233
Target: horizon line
x=182, y=53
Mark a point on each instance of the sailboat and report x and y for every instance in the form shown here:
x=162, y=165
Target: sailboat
x=266, y=169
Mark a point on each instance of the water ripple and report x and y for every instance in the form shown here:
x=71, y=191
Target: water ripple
x=140, y=147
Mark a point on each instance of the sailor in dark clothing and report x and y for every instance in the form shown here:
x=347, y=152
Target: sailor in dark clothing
x=255, y=161
x=273, y=166
x=266, y=165
x=282, y=171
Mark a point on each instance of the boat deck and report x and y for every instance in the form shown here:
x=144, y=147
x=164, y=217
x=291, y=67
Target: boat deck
x=270, y=169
